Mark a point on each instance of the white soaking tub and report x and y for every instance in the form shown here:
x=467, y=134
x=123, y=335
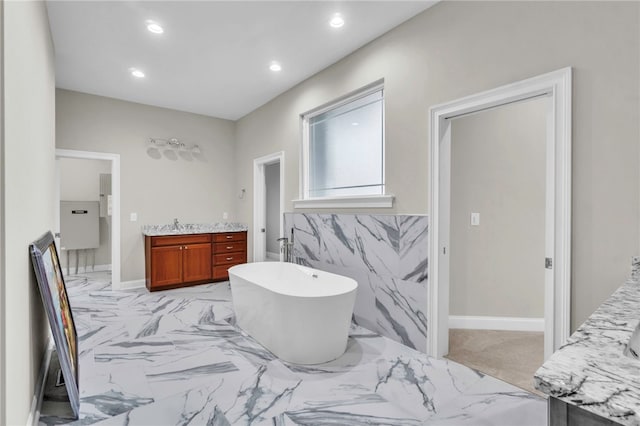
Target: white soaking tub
x=302, y=315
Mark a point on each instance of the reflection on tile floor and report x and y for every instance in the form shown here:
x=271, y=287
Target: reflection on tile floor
x=175, y=357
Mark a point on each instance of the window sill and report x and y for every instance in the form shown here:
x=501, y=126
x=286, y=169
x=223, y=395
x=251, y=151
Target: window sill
x=362, y=201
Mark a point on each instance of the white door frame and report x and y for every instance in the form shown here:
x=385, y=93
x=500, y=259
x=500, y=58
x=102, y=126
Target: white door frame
x=556, y=85
x=259, y=202
x=115, y=204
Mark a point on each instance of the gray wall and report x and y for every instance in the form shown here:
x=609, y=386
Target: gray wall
x=156, y=186
x=272, y=178
x=28, y=170
x=498, y=170
x=456, y=49
x=80, y=181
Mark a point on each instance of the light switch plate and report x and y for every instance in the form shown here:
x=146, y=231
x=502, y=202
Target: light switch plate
x=133, y=217
x=475, y=219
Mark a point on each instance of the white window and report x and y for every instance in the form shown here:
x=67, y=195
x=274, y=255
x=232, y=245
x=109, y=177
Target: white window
x=343, y=153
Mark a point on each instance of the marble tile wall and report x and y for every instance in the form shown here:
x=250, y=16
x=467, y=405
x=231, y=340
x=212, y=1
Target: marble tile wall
x=386, y=254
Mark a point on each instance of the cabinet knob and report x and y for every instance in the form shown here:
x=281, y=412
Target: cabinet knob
x=180, y=247
x=186, y=247
x=229, y=247
x=229, y=237
x=229, y=258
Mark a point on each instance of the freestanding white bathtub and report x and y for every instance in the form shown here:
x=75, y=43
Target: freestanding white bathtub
x=300, y=314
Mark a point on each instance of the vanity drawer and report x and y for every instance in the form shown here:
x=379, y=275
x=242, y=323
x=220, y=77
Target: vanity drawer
x=230, y=236
x=227, y=258
x=222, y=272
x=230, y=247
x=180, y=240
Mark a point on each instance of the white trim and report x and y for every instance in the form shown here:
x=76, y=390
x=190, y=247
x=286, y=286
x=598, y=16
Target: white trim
x=115, y=203
x=132, y=285
x=361, y=201
x=496, y=323
x=557, y=85
x=36, y=402
x=343, y=100
x=259, y=200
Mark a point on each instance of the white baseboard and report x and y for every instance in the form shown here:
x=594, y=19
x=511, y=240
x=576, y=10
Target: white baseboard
x=38, y=392
x=83, y=270
x=131, y=285
x=273, y=256
x=496, y=323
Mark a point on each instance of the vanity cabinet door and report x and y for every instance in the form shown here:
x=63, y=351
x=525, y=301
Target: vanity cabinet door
x=196, y=262
x=177, y=260
x=167, y=266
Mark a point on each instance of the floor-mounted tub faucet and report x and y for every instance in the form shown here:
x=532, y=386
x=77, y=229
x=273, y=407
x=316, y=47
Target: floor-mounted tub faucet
x=286, y=249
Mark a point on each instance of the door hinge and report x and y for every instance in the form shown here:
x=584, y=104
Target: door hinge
x=548, y=262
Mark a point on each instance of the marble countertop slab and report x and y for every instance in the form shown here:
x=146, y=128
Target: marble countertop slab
x=193, y=228
x=590, y=370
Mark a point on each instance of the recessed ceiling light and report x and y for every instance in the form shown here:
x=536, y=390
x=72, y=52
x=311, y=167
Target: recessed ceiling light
x=136, y=73
x=275, y=66
x=154, y=27
x=336, y=21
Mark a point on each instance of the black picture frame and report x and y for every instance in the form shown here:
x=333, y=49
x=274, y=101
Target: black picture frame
x=46, y=265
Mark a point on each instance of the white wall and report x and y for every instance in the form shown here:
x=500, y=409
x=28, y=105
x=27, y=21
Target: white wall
x=459, y=48
x=498, y=170
x=28, y=184
x=3, y=384
x=272, y=180
x=80, y=181
x=194, y=190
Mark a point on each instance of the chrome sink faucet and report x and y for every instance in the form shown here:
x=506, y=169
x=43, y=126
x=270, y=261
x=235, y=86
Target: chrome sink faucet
x=176, y=224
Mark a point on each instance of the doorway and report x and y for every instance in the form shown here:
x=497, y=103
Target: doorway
x=85, y=216
x=113, y=167
x=497, y=238
x=557, y=239
x=268, y=206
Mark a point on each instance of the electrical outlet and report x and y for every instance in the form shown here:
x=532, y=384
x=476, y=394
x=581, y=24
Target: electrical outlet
x=133, y=217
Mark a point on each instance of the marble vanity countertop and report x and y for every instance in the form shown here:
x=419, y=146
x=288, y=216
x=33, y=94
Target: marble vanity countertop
x=193, y=228
x=590, y=370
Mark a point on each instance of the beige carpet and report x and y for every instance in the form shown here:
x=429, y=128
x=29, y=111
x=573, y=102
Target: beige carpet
x=511, y=356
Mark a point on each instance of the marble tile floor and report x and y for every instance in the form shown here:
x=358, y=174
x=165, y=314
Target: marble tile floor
x=175, y=357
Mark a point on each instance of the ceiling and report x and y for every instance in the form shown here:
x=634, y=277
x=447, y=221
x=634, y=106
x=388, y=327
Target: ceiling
x=213, y=57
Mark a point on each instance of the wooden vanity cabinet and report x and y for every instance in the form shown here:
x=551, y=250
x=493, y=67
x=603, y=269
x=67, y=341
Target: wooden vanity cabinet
x=229, y=249
x=177, y=260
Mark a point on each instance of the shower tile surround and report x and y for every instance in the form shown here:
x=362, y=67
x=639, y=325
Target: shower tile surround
x=176, y=357
x=386, y=254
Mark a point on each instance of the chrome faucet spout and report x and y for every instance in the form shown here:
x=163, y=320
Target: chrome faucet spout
x=176, y=224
